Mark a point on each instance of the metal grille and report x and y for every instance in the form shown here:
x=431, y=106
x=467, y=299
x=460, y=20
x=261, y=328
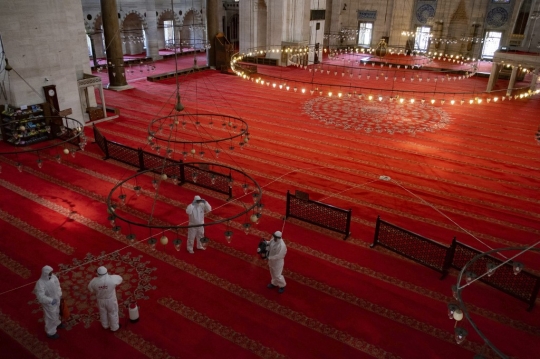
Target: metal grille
x=321, y=214
x=208, y=179
x=100, y=140
x=159, y=164
x=123, y=153
x=523, y=286
x=411, y=245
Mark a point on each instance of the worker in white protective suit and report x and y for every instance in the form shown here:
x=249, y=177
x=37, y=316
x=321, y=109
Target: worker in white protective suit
x=48, y=293
x=104, y=286
x=276, y=260
x=196, y=211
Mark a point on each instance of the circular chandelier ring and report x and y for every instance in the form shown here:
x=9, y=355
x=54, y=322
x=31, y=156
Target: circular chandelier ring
x=112, y=208
x=462, y=305
x=155, y=133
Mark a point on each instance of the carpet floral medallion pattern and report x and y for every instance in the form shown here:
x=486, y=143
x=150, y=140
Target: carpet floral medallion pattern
x=377, y=116
x=82, y=304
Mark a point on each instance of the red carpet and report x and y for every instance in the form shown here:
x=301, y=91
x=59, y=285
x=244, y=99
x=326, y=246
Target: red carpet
x=469, y=171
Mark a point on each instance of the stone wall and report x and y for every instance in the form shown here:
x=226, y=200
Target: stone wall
x=44, y=40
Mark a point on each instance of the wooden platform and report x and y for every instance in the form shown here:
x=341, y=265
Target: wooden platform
x=172, y=74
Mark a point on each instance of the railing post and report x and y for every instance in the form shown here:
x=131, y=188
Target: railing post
x=141, y=159
x=348, y=226
x=376, y=236
x=288, y=208
x=449, y=259
x=534, y=295
x=182, y=178
x=230, y=187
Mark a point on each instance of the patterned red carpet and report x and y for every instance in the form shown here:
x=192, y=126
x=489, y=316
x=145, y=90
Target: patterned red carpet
x=464, y=171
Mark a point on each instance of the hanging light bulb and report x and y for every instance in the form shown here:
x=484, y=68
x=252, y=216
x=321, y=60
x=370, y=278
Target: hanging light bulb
x=460, y=334
x=255, y=218
x=137, y=190
x=152, y=242
x=177, y=243
x=164, y=240
x=451, y=309
x=39, y=163
x=58, y=159
x=112, y=220
x=246, y=227
x=194, y=176
x=228, y=236
x=72, y=153
x=19, y=167
x=217, y=151
x=174, y=179
x=131, y=237
x=155, y=184
x=122, y=199
x=490, y=268
x=470, y=276
x=517, y=267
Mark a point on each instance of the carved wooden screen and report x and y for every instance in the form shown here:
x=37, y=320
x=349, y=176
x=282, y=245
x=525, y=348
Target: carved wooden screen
x=523, y=286
x=320, y=214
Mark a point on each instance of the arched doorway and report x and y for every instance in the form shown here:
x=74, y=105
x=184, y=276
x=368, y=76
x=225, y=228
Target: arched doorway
x=133, y=36
x=168, y=30
x=193, y=31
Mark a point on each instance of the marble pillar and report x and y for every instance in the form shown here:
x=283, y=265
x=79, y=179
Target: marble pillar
x=512, y=81
x=212, y=28
x=152, y=42
x=534, y=79
x=113, y=43
x=494, y=76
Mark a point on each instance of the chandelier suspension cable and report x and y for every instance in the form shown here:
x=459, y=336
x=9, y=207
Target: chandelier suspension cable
x=442, y=214
x=507, y=260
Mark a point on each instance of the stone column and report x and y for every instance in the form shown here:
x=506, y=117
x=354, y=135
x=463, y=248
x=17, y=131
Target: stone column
x=152, y=47
x=212, y=29
x=512, y=81
x=494, y=76
x=534, y=79
x=115, y=56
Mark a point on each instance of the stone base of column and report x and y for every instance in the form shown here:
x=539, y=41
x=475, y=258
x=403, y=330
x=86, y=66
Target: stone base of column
x=118, y=88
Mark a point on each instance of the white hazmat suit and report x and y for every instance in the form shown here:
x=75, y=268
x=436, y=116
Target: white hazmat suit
x=276, y=260
x=104, y=286
x=48, y=293
x=196, y=211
